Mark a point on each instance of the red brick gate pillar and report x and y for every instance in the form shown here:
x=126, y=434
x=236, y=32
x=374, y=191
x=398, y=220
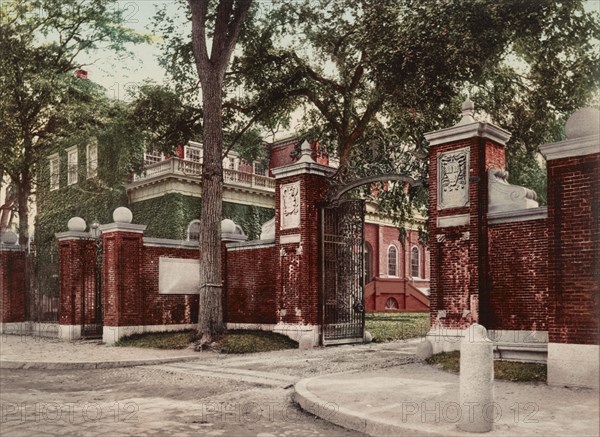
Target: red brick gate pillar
x=574, y=252
x=77, y=273
x=459, y=159
x=122, y=249
x=300, y=187
x=12, y=285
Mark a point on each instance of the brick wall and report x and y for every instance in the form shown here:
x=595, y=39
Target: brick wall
x=165, y=309
x=518, y=257
x=77, y=276
x=279, y=154
x=121, y=282
x=250, y=285
x=574, y=249
x=12, y=286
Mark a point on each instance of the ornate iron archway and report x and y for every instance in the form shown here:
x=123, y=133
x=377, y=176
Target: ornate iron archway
x=342, y=248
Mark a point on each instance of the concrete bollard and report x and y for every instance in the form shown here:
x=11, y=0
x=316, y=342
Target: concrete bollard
x=477, y=381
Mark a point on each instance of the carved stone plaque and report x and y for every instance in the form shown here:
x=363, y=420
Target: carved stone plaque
x=290, y=205
x=453, y=179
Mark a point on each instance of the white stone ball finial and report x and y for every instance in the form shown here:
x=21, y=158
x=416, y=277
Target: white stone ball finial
x=468, y=110
x=227, y=226
x=122, y=215
x=584, y=122
x=76, y=224
x=10, y=238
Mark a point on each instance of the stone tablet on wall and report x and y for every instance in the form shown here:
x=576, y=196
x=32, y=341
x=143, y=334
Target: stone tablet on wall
x=290, y=205
x=178, y=276
x=453, y=179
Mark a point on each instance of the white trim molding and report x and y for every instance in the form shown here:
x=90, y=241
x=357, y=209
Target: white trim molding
x=568, y=148
x=73, y=235
x=248, y=245
x=122, y=227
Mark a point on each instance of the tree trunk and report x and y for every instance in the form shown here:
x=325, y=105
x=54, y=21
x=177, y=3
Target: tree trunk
x=210, y=317
x=211, y=71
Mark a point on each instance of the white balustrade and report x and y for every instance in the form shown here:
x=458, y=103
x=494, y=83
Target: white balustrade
x=183, y=167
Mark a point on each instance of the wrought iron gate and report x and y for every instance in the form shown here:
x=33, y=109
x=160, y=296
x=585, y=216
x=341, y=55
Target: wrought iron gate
x=342, y=271
x=91, y=302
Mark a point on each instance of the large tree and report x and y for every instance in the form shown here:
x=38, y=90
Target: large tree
x=42, y=42
x=211, y=63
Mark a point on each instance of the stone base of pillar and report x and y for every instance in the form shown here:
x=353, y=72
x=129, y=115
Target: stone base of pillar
x=574, y=365
x=32, y=329
x=69, y=332
x=14, y=328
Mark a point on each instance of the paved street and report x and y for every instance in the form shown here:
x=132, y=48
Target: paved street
x=247, y=395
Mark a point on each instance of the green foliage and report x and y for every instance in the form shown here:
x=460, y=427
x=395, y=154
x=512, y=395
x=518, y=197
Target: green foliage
x=234, y=342
x=41, y=43
x=248, y=342
x=168, y=216
x=160, y=340
x=391, y=326
x=249, y=217
x=504, y=370
x=166, y=120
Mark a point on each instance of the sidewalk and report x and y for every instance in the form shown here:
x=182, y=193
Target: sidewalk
x=417, y=399
x=34, y=352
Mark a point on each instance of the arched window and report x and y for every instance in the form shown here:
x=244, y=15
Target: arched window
x=414, y=262
x=193, y=231
x=392, y=261
x=391, y=304
x=368, y=263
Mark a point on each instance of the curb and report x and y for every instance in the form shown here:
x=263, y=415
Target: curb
x=349, y=419
x=81, y=365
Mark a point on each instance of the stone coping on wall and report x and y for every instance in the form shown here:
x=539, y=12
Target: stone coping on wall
x=122, y=227
x=518, y=215
x=247, y=245
x=165, y=242
x=568, y=148
x=303, y=168
x=12, y=247
x=73, y=235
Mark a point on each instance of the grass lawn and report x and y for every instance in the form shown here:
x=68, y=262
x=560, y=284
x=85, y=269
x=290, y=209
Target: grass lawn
x=506, y=370
x=396, y=326
x=234, y=342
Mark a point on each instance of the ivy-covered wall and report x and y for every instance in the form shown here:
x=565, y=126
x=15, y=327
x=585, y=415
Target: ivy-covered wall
x=168, y=216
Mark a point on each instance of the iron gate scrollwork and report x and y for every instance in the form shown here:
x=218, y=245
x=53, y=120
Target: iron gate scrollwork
x=342, y=271
x=91, y=311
